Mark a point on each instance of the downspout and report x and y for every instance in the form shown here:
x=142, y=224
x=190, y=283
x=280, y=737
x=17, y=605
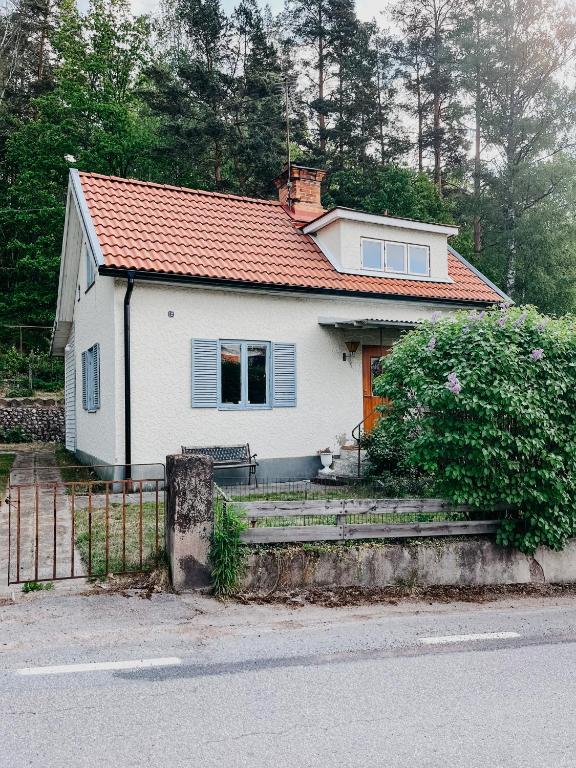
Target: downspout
x=127, y=385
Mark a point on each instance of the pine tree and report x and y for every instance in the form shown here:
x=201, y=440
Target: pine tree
x=258, y=147
x=309, y=22
x=527, y=115
x=429, y=57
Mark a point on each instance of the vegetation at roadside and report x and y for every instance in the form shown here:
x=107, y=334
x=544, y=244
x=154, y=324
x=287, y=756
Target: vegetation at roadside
x=485, y=404
x=227, y=553
x=6, y=461
x=37, y=586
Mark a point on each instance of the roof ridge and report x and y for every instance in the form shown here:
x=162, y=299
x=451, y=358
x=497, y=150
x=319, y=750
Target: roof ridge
x=157, y=185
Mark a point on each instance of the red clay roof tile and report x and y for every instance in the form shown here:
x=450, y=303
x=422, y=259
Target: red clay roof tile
x=173, y=230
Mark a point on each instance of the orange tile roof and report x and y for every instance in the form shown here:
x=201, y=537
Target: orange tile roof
x=177, y=231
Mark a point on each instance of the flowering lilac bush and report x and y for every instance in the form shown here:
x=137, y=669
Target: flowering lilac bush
x=485, y=404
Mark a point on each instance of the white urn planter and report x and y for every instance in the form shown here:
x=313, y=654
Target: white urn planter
x=326, y=459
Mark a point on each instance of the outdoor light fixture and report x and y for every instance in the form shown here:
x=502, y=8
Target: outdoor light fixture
x=352, y=347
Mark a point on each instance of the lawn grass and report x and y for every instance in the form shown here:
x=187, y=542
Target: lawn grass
x=118, y=540
x=71, y=471
x=6, y=461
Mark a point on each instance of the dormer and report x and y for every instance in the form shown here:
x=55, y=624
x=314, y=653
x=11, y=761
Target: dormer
x=384, y=246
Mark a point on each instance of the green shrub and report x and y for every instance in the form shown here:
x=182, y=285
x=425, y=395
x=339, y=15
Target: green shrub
x=19, y=370
x=37, y=586
x=485, y=404
x=14, y=435
x=227, y=551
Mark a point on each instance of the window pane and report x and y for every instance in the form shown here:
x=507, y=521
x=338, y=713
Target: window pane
x=418, y=259
x=371, y=254
x=257, y=382
x=395, y=257
x=230, y=367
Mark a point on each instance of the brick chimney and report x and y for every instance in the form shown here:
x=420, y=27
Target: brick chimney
x=302, y=197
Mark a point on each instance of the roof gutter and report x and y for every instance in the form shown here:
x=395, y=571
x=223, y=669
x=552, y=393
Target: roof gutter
x=127, y=378
x=165, y=277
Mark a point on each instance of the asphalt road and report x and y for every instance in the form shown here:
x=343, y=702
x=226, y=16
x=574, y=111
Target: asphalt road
x=411, y=686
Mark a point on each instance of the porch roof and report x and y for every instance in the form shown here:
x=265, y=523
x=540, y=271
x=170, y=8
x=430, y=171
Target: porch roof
x=335, y=322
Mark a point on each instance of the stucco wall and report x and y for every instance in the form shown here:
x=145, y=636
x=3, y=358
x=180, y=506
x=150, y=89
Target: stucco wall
x=329, y=390
x=342, y=239
x=95, y=322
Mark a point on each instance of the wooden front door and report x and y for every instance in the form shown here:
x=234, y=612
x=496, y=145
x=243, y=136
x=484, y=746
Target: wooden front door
x=370, y=369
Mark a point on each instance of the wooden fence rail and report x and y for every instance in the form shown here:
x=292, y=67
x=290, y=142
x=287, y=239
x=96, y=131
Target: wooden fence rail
x=341, y=529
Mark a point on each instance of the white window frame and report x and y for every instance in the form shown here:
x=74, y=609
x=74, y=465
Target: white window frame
x=427, y=249
x=404, y=249
x=384, y=257
x=244, y=405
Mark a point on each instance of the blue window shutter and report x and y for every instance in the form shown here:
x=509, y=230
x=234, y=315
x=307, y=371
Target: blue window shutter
x=204, y=373
x=96, y=377
x=284, y=375
x=84, y=381
x=90, y=379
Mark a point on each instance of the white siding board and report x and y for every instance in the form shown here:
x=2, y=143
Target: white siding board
x=70, y=394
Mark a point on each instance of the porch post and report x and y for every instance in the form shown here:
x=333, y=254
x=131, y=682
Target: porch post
x=189, y=519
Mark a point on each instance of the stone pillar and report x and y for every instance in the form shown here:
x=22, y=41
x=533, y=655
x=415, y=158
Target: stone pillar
x=189, y=519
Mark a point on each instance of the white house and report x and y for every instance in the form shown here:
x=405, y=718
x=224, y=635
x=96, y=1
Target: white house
x=196, y=318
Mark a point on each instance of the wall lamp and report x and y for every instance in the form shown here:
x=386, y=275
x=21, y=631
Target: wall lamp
x=352, y=347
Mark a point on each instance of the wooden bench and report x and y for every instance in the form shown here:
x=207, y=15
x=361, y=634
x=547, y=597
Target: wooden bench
x=228, y=457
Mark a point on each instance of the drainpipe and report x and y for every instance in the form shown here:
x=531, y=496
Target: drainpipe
x=127, y=386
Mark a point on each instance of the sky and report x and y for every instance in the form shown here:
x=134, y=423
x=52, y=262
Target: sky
x=366, y=9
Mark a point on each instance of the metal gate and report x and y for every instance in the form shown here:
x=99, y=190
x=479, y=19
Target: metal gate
x=96, y=521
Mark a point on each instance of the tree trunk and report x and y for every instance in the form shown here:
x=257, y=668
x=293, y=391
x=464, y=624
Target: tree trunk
x=437, y=111
x=511, y=254
x=380, y=120
x=420, y=121
x=218, y=167
x=477, y=152
x=321, y=76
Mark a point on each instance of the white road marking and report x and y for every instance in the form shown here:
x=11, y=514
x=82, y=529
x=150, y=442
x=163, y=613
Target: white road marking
x=468, y=638
x=100, y=666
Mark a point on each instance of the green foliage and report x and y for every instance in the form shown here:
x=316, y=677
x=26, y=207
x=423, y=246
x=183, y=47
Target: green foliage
x=227, y=552
x=485, y=404
x=392, y=188
x=14, y=435
x=92, y=114
x=37, y=586
x=22, y=374
x=6, y=461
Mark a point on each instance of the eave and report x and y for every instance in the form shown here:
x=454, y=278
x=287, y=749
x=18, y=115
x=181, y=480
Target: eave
x=166, y=277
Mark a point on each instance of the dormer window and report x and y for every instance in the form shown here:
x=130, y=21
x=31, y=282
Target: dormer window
x=372, y=254
x=390, y=256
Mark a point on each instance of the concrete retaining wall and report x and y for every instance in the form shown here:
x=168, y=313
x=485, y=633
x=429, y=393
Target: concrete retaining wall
x=39, y=419
x=442, y=561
